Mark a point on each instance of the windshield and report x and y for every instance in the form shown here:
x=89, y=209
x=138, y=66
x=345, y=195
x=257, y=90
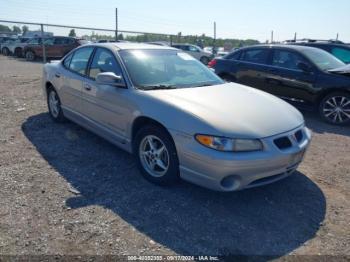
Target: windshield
x=322, y=59
x=166, y=68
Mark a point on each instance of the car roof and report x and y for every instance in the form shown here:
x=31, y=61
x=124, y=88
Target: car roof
x=130, y=46
x=323, y=44
x=281, y=46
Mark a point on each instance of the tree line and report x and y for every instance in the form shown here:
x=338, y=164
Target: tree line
x=15, y=29
x=201, y=40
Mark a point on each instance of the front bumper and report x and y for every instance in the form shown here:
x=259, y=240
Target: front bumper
x=230, y=171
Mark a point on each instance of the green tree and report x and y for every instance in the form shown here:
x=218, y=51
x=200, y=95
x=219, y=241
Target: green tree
x=16, y=29
x=25, y=29
x=72, y=33
x=4, y=28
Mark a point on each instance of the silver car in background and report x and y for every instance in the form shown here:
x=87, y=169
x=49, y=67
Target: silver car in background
x=177, y=117
x=196, y=52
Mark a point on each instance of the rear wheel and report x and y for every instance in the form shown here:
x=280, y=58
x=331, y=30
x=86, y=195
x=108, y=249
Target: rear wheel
x=30, y=56
x=156, y=155
x=335, y=108
x=18, y=52
x=54, y=105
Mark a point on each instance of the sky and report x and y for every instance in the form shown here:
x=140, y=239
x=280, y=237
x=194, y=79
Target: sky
x=242, y=19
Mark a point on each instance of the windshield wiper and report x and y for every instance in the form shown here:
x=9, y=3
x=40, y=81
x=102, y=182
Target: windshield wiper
x=157, y=87
x=204, y=84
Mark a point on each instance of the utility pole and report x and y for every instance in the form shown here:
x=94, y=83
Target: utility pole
x=337, y=36
x=214, y=42
x=295, y=37
x=272, y=37
x=43, y=43
x=116, y=24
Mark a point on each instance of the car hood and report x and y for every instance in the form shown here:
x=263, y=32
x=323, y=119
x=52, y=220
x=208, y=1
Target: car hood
x=234, y=110
x=344, y=70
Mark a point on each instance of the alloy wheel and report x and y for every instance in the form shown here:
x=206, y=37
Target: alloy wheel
x=54, y=104
x=337, y=109
x=154, y=156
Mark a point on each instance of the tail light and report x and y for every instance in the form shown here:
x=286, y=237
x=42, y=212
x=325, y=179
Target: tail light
x=212, y=63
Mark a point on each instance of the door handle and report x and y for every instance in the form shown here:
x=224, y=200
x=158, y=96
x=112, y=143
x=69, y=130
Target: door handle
x=57, y=75
x=87, y=87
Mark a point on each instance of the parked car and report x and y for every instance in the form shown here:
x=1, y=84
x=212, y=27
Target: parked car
x=5, y=47
x=15, y=47
x=336, y=48
x=55, y=47
x=195, y=51
x=307, y=77
x=4, y=39
x=176, y=116
x=161, y=43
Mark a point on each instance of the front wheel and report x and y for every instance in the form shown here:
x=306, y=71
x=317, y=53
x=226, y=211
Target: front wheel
x=204, y=60
x=30, y=56
x=156, y=155
x=335, y=108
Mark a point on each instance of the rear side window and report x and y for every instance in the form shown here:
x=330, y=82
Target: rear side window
x=287, y=59
x=104, y=61
x=258, y=56
x=342, y=54
x=59, y=41
x=193, y=48
x=34, y=41
x=80, y=60
x=234, y=56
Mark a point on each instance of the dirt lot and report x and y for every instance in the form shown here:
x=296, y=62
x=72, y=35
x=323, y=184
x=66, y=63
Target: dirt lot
x=66, y=191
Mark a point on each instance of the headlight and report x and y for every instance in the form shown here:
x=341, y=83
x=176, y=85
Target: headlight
x=230, y=144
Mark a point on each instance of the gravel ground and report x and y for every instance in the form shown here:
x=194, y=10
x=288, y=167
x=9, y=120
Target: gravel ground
x=66, y=191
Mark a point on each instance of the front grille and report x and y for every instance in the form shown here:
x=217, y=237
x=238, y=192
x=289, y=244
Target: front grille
x=299, y=136
x=283, y=142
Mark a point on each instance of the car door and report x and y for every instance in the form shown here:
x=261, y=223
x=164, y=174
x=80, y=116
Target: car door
x=287, y=80
x=71, y=79
x=49, y=47
x=106, y=105
x=252, y=67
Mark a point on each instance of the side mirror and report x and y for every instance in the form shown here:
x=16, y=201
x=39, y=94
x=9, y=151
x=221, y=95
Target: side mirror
x=304, y=67
x=109, y=78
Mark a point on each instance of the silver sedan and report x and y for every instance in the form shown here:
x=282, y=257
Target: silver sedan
x=176, y=116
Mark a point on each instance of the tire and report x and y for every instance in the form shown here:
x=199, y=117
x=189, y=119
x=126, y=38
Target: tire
x=55, y=109
x=5, y=51
x=18, y=52
x=227, y=78
x=30, y=56
x=205, y=60
x=158, y=137
x=335, y=108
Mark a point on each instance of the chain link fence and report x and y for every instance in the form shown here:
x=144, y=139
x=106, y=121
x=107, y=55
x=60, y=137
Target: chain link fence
x=44, y=31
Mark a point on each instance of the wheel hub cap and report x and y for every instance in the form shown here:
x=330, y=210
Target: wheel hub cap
x=154, y=156
x=337, y=109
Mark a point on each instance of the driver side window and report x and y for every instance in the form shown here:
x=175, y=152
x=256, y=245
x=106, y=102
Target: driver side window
x=104, y=61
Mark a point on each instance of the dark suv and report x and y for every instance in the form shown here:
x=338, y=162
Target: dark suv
x=336, y=48
x=307, y=77
x=55, y=47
